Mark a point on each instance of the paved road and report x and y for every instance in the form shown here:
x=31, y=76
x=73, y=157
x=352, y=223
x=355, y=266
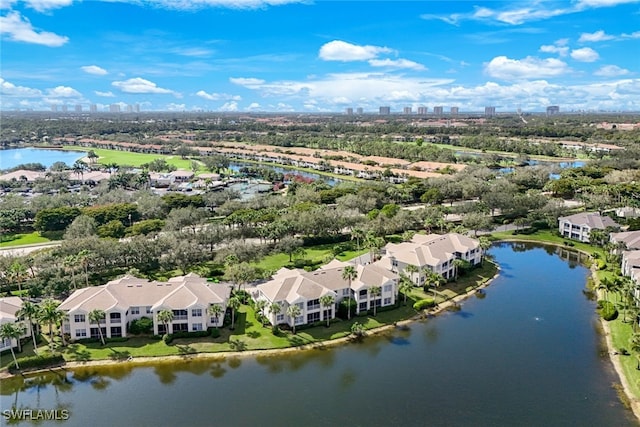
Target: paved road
x=23, y=250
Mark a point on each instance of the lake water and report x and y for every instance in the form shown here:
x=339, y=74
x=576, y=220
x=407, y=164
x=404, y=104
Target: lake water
x=236, y=166
x=16, y=156
x=527, y=354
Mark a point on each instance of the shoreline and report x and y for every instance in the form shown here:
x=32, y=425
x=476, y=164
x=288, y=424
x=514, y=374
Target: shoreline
x=144, y=360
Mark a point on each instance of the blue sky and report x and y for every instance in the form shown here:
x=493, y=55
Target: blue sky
x=320, y=56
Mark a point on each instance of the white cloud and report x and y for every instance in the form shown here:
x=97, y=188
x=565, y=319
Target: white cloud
x=193, y=51
x=218, y=96
x=176, y=107
x=247, y=82
x=46, y=5
x=108, y=94
x=9, y=89
x=585, y=54
x=634, y=35
x=528, y=68
x=560, y=50
x=611, y=71
x=16, y=28
x=229, y=106
x=254, y=106
x=396, y=63
x=94, y=69
x=337, y=50
x=63, y=92
x=140, y=85
x=598, y=36
x=231, y=4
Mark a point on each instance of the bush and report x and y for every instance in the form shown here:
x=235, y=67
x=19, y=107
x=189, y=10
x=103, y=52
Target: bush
x=36, y=362
x=168, y=338
x=423, y=304
x=607, y=310
x=344, y=306
x=601, y=264
x=215, y=333
x=144, y=325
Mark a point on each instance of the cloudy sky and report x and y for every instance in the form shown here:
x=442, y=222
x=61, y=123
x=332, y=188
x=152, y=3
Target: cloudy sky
x=320, y=56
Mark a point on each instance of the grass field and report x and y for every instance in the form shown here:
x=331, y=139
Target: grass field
x=125, y=158
x=10, y=240
x=314, y=255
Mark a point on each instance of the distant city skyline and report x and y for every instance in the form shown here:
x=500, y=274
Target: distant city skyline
x=319, y=57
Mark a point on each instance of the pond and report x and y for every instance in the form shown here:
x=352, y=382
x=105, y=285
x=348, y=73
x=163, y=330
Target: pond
x=13, y=157
x=236, y=166
x=527, y=353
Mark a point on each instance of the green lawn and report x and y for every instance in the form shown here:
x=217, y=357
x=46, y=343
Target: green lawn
x=547, y=236
x=125, y=158
x=8, y=240
x=621, y=332
x=315, y=255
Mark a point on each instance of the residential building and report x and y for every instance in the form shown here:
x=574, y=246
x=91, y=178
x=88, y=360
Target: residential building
x=438, y=111
x=78, y=108
x=423, y=111
x=628, y=240
x=114, y=108
x=489, y=111
x=9, y=308
x=304, y=289
x=385, y=111
x=454, y=111
x=130, y=298
x=627, y=212
x=93, y=108
x=553, y=110
x=359, y=111
x=431, y=253
x=406, y=110
x=349, y=111
x=579, y=226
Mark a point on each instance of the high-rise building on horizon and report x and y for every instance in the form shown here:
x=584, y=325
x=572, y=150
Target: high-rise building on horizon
x=438, y=110
x=489, y=111
x=78, y=108
x=407, y=110
x=54, y=108
x=553, y=109
x=65, y=109
x=114, y=108
x=423, y=111
x=349, y=111
x=359, y=110
x=93, y=108
x=454, y=111
x=385, y=111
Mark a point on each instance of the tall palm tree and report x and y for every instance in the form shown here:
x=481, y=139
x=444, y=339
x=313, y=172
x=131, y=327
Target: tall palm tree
x=349, y=273
x=216, y=310
x=634, y=343
x=327, y=301
x=51, y=315
x=70, y=262
x=374, y=291
x=294, y=311
x=234, y=304
x=275, y=309
x=405, y=286
x=18, y=271
x=12, y=331
x=411, y=269
x=165, y=317
x=84, y=258
x=96, y=316
x=357, y=234
x=31, y=311
x=260, y=306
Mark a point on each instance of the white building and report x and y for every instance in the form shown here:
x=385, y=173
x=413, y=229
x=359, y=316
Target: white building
x=434, y=253
x=579, y=226
x=9, y=308
x=629, y=239
x=130, y=298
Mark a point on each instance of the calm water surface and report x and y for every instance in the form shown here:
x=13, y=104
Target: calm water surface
x=527, y=354
x=17, y=156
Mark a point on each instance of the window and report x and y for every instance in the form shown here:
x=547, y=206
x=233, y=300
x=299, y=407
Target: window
x=184, y=327
x=299, y=320
x=81, y=333
x=196, y=312
x=78, y=318
x=280, y=318
x=300, y=305
x=387, y=301
x=346, y=292
x=313, y=317
x=314, y=304
x=116, y=331
x=135, y=310
x=363, y=306
x=114, y=317
x=388, y=288
x=179, y=314
x=196, y=327
x=148, y=310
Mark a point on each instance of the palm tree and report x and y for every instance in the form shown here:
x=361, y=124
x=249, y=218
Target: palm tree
x=327, y=301
x=96, y=316
x=84, y=257
x=18, y=271
x=405, y=286
x=485, y=244
x=216, y=310
x=606, y=285
x=12, y=331
x=373, y=243
x=374, y=291
x=70, y=262
x=166, y=317
x=634, y=343
x=234, y=304
x=358, y=234
x=51, y=315
x=411, y=269
x=31, y=312
x=349, y=273
x=294, y=311
x=260, y=306
x=275, y=309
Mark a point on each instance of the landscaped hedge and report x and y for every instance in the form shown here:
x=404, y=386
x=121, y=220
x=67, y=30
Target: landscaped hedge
x=144, y=325
x=344, y=307
x=36, y=362
x=607, y=310
x=168, y=338
x=424, y=303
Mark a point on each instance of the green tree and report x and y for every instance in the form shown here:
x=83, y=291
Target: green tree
x=411, y=269
x=634, y=344
x=18, y=273
x=405, y=285
x=275, y=309
x=31, y=312
x=12, y=331
x=216, y=310
x=375, y=291
x=357, y=329
x=234, y=304
x=97, y=316
x=51, y=315
x=165, y=317
x=293, y=311
x=327, y=301
x=259, y=307
x=349, y=274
